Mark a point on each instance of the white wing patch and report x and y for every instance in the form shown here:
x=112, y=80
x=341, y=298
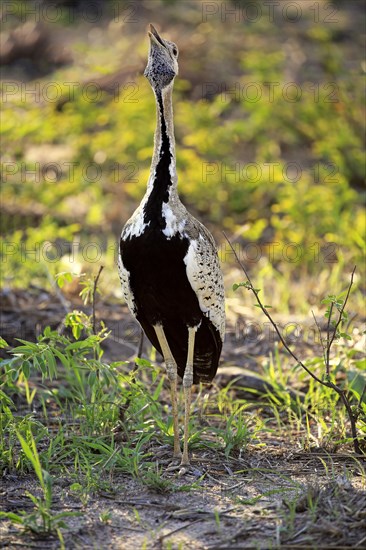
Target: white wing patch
x=135, y=226
x=205, y=276
x=173, y=226
x=124, y=276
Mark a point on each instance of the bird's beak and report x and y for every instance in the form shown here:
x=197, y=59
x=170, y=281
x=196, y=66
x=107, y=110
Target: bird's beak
x=154, y=37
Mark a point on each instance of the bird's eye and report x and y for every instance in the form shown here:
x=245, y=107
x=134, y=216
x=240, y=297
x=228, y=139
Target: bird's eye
x=175, y=52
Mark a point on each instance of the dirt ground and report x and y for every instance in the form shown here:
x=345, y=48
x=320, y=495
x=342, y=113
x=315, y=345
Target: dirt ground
x=272, y=499
x=274, y=496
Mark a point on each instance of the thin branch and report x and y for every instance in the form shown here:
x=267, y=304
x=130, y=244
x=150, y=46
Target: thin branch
x=283, y=341
x=65, y=303
x=96, y=279
x=179, y=529
x=327, y=353
x=342, y=309
x=351, y=318
x=326, y=383
x=320, y=335
x=352, y=418
x=361, y=397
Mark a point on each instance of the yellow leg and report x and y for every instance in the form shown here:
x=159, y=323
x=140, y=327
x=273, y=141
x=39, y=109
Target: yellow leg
x=171, y=368
x=187, y=385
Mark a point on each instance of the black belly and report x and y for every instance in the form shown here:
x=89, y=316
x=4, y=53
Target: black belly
x=163, y=294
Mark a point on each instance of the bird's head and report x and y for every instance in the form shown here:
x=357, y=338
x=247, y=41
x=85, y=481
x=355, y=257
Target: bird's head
x=162, y=64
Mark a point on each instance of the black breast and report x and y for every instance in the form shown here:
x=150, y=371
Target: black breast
x=163, y=294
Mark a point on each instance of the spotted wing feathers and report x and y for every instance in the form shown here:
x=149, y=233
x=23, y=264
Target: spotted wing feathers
x=205, y=277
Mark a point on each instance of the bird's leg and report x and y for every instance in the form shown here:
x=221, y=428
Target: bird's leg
x=187, y=385
x=171, y=368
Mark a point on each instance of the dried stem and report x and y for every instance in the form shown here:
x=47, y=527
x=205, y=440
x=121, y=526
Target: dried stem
x=141, y=343
x=330, y=340
x=320, y=336
x=327, y=352
x=361, y=398
x=96, y=279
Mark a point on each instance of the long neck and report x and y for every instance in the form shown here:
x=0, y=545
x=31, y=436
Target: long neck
x=162, y=185
x=164, y=139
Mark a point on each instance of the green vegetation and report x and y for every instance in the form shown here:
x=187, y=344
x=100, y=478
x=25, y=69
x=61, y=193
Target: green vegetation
x=42, y=520
x=270, y=150
x=270, y=137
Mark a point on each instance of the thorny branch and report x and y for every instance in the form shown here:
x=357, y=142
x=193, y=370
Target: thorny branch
x=352, y=417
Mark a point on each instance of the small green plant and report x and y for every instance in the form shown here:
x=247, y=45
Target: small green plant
x=236, y=434
x=105, y=516
x=42, y=521
x=152, y=478
x=217, y=520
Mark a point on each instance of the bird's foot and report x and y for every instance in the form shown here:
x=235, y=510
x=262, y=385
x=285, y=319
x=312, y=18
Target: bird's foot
x=188, y=469
x=175, y=463
x=184, y=468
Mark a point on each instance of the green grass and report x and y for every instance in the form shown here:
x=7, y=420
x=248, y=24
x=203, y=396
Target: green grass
x=64, y=376
x=87, y=420
x=42, y=520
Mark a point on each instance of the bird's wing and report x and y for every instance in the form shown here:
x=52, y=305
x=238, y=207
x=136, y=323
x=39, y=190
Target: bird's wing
x=205, y=277
x=124, y=276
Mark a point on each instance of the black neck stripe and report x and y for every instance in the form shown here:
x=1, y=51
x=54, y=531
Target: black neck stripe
x=162, y=180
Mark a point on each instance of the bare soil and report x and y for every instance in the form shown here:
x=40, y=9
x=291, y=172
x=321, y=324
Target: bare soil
x=275, y=495
x=277, y=498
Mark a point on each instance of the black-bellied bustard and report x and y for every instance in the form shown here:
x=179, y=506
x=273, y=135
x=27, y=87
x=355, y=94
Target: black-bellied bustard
x=168, y=262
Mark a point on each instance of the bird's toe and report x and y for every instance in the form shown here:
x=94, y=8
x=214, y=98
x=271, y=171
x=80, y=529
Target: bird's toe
x=183, y=468
x=188, y=469
x=175, y=464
